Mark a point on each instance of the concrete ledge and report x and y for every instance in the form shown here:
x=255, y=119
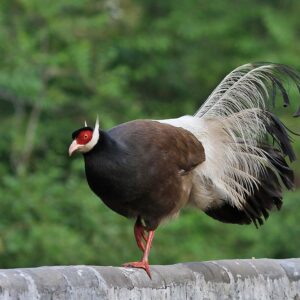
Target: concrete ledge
x=224, y=279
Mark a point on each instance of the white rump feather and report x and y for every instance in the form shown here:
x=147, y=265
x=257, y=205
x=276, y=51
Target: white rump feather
x=232, y=124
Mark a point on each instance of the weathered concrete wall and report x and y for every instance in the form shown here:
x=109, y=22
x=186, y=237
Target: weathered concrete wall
x=225, y=279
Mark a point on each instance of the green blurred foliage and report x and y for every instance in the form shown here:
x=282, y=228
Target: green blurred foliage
x=65, y=61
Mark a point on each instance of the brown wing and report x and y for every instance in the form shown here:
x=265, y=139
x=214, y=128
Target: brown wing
x=165, y=157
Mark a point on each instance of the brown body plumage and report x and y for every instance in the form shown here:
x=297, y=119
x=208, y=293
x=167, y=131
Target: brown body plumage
x=144, y=169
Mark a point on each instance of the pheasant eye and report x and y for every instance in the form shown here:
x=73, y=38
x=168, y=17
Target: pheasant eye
x=84, y=137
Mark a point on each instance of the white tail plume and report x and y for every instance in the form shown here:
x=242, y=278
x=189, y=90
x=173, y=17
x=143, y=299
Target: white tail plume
x=233, y=125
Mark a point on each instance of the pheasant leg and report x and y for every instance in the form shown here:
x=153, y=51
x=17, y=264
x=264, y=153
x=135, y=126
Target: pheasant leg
x=144, y=263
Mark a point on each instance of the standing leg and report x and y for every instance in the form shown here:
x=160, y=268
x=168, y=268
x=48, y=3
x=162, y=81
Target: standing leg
x=144, y=263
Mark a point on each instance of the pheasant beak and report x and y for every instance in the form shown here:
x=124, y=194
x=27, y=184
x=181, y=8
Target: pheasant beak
x=74, y=147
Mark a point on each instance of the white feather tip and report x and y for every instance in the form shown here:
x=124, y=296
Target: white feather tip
x=97, y=124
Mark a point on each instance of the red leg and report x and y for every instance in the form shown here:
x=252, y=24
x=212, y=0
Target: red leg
x=139, y=233
x=144, y=263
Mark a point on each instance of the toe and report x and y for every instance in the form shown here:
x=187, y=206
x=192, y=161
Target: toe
x=140, y=265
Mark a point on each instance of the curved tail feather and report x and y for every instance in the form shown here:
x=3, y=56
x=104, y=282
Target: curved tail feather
x=245, y=145
x=264, y=197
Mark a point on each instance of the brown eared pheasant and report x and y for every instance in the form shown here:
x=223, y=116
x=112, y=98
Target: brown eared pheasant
x=228, y=160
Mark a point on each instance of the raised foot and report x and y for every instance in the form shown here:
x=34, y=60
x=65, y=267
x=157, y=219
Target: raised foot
x=139, y=264
x=139, y=233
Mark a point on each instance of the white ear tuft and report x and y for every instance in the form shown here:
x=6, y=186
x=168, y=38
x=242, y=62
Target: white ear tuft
x=97, y=124
x=85, y=124
x=95, y=136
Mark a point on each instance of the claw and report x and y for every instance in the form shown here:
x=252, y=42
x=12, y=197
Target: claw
x=140, y=265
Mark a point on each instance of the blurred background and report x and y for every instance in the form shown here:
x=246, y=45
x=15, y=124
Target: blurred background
x=62, y=62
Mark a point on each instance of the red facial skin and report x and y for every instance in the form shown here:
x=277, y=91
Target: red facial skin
x=84, y=137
